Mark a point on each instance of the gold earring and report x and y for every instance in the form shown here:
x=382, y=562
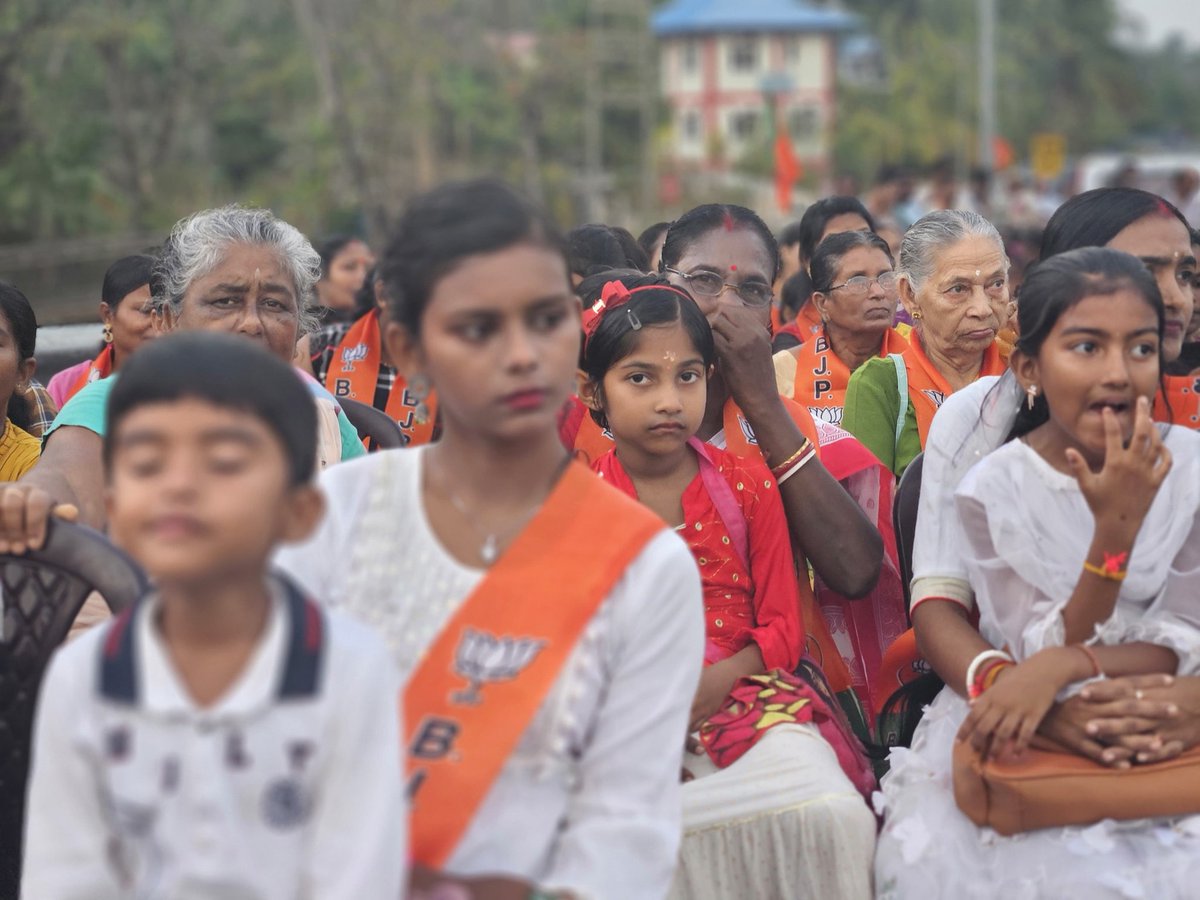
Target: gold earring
x=916, y=314
x=1031, y=393
x=108, y=335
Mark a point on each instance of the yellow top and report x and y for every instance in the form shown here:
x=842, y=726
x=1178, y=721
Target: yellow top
x=19, y=450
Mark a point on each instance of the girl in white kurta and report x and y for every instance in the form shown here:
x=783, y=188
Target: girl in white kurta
x=587, y=802
x=1089, y=471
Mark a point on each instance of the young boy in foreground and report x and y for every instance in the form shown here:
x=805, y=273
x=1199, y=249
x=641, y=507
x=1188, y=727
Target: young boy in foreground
x=225, y=737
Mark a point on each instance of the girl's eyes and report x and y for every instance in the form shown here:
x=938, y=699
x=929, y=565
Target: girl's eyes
x=1084, y=347
x=639, y=378
x=475, y=332
x=226, y=465
x=1145, y=351
x=1185, y=277
x=689, y=377
x=547, y=321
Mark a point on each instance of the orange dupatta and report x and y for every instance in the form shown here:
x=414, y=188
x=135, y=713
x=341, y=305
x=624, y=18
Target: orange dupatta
x=927, y=389
x=822, y=376
x=354, y=373
x=808, y=322
x=1182, y=393
x=100, y=367
x=487, y=673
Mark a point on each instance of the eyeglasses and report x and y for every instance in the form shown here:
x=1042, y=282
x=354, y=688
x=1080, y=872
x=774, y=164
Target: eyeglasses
x=859, y=285
x=710, y=284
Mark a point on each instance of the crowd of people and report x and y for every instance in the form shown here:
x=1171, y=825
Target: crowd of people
x=627, y=616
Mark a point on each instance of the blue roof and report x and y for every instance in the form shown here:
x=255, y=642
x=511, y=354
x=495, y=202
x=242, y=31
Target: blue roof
x=723, y=16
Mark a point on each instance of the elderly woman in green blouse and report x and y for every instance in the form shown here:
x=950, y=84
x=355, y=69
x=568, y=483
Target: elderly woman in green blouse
x=953, y=280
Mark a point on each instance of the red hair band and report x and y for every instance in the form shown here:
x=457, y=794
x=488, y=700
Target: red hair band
x=614, y=295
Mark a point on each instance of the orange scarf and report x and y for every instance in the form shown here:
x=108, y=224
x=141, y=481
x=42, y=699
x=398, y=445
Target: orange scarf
x=808, y=321
x=822, y=376
x=926, y=386
x=1182, y=392
x=100, y=367
x=488, y=672
x=354, y=373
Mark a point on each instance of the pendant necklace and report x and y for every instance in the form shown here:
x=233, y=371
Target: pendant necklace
x=489, y=550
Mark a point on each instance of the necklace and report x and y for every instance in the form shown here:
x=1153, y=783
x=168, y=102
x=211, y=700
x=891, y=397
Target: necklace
x=490, y=548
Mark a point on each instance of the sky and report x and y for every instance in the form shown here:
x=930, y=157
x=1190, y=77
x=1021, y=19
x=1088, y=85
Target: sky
x=1161, y=17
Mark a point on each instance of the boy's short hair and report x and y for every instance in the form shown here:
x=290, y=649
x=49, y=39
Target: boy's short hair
x=226, y=371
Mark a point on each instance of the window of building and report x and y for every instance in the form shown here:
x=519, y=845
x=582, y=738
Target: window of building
x=791, y=50
x=804, y=123
x=743, y=54
x=691, y=126
x=743, y=124
x=690, y=57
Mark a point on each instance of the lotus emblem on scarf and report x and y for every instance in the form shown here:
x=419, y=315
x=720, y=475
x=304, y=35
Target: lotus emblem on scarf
x=482, y=658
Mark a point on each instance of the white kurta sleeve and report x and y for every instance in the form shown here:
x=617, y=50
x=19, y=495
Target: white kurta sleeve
x=1024, y=616
x=623, y=823
x=961, y=434
x=1173, y=619
x=66, y=835
x=359, y=843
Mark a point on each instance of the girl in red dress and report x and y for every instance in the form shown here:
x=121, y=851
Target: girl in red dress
x=758, y=732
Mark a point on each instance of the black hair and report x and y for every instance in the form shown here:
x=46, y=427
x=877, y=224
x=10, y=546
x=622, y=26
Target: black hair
x=825, y=262
x=329, y=248
x=17, y=309
x=226, y=371
x=124, y=277
x=789, y=235
x=696, y=223
x=635, y=256
x=1095, y=217
x=1055, y=285
x=616, y=336
x=795, y=293
x=447, y=225
x=817, y=216
x=364, y=297
x=651, y=236
x=594, y=248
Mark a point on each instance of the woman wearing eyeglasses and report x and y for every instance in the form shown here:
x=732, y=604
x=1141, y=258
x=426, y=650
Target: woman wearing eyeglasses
x=953, y=280
x=855, y=297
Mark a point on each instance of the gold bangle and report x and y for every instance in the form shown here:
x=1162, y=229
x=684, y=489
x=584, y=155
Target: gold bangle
x=783, y=466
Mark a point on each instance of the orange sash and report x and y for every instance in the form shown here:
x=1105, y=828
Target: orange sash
x=822, y=376
x=739, y=436
x=926, y=386
x=354, y=373
x=489, y=670
x=1183, y=394
x=100, y=367
x=808, y=321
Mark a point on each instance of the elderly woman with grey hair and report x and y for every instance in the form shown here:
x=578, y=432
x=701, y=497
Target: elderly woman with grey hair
x=234, y=270
x=953, y=280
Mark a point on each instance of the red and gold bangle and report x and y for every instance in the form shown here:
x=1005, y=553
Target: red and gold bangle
x=979, y=667
x=991, y=672
x=1112, y=569
x=783, y=466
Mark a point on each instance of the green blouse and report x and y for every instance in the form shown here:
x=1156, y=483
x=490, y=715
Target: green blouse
x=872, y=409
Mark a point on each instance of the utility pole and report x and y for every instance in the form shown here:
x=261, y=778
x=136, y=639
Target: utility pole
x=987, y=83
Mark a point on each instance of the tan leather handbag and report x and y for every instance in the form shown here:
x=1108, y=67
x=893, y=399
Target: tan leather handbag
x=1051, y=788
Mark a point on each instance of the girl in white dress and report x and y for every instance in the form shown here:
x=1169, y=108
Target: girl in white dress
x=1082, y=538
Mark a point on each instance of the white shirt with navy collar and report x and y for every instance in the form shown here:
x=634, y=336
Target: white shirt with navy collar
x=290, y=786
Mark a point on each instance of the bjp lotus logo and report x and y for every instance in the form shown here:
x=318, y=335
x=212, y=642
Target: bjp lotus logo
x=482, y=658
